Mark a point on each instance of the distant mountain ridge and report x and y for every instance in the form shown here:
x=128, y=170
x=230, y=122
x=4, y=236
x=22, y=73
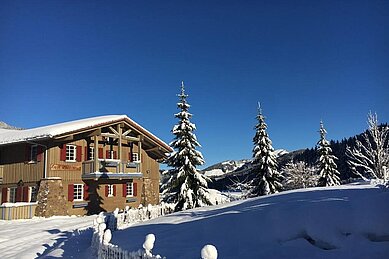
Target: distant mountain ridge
x=4, y=125
x=309, y=156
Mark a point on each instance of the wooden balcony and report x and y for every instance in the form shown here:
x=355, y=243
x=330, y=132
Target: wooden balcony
x=111, y=169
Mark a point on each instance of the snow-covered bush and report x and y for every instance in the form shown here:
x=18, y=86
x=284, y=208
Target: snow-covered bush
x=209, y=252
x=299, y=175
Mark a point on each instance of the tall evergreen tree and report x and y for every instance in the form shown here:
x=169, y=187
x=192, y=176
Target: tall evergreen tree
x=329, y=175
x=267, y=179
x=186, y=187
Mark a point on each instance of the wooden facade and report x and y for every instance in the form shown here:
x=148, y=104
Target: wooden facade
x=95, y=163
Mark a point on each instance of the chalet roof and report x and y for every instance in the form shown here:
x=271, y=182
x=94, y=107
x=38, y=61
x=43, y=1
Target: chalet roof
x=9, y=136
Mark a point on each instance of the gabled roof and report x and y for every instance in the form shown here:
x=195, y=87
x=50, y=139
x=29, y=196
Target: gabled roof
x=9, y=136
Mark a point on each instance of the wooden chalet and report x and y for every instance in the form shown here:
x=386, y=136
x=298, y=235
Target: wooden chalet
x=95, y=164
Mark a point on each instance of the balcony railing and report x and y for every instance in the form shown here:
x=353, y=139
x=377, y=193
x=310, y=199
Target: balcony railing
x=1, y=174
x=110, y=168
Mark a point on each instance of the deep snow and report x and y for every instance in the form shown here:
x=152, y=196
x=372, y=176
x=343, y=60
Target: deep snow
x=350, y=221
x=335, y=222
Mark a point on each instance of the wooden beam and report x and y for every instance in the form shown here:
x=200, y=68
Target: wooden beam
x=67, y=138
x=93, y=133
x=152, y=149
x=120, y=148
x=127, y=132
x=96, y=153
x=140, y=153
x=110, y=135
x=114, y=131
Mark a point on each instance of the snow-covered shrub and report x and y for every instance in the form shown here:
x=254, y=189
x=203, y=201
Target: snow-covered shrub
x=209, y=252
x=299, y=175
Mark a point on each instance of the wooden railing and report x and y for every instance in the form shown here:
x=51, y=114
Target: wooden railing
x=15, y=211
x=1, y=174
x=110, y=166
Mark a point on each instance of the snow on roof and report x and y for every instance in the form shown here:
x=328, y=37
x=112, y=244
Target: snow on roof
x=51, y=131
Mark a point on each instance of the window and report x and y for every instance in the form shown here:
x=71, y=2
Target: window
x=91, y=153
x=135, y=157
x=33, y=193
x=111, y=154
x=71, y=153
x=12, y=194
x=130, y=189
x=34, y=153
x=78, y=194
x=110, y=190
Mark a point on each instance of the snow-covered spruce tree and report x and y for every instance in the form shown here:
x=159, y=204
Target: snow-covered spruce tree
x=267, y=179
x=299, y=175
x=329, y=175
x=186, y=187
x=370, y=157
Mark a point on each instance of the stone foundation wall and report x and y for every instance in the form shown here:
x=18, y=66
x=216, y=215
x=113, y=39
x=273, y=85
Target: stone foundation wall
x=51, y=198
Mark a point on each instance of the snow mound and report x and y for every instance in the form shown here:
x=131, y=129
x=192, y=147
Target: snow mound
x=329, y=222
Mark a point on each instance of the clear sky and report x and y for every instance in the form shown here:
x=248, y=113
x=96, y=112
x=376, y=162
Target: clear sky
x=303, y=60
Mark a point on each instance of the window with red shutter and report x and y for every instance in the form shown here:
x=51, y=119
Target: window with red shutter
x=4, y=194
x=114, y=189
x=63, y=153
x=86, y=192
x=19, y=192
x=107, y=154
x=115, y=155
x=124, y=187
x=101, y=151
x=39, y=154
x=135, y=189
x=70, y=192
x=78, y=153
x=25, y=194
x=106, y=190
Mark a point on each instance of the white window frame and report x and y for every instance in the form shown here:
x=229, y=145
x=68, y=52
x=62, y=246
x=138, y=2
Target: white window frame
x=78, y=192
x=111, y=154
x=91, y=153
x=33, y=193
x=69, y=157
x=110, y=190
x=135, y=157
x=34, y=153
x=130, y=189
x=12, y=194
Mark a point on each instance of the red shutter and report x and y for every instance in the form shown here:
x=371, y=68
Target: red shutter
x=101, y=152
x=114, y=190
x=19, y=191
x=63, y=152
x=27, y=153
x=135, y=186
x=86, y=156
x=86, y=192
x=130, y=157
x=39, y=153
x=78, y=153
x=25, y=193
x=70, y=192
x=115, y=155
x=124, y=189
x=107, y=154
x=4, y=193
x=106, y=190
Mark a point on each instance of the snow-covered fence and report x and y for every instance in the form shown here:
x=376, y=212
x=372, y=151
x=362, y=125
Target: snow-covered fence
x=130, y=216
x=103, y=249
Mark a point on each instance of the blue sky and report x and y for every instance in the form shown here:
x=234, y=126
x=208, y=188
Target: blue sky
x=303, y=60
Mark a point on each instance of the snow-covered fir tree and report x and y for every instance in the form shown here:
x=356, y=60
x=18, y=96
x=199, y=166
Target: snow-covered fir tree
x=370, y=157
x=329, y=175
x=267, y=179
x=299, y=175
x=186, y=187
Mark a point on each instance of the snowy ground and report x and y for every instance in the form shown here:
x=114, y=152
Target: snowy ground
x=341, y=222
x=40, y=237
